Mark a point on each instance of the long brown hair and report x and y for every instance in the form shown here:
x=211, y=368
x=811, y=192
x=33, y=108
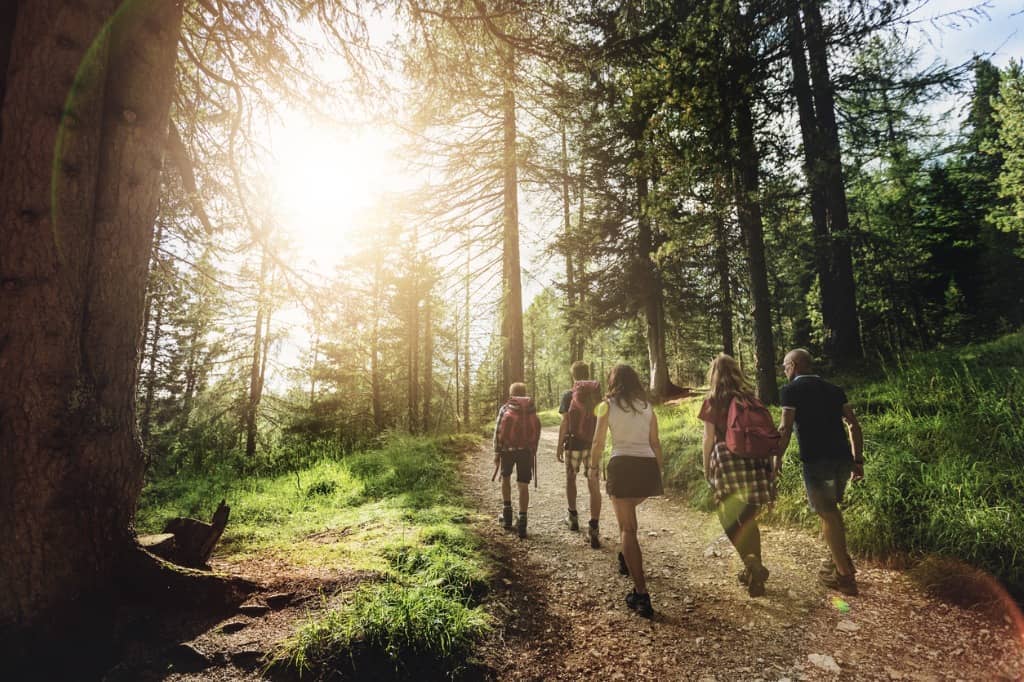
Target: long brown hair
x=625, y=389
x=726, y=381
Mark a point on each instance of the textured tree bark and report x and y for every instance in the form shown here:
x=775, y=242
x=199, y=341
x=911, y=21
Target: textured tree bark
x=84, y=116
x=512, y=327
x=724, y=285
x=815, y=173
x=651, y=288
x=845, y=341
x=749, y=211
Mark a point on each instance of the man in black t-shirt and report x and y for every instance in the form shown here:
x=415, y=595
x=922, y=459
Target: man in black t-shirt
x=831, y=452
x=574, y=450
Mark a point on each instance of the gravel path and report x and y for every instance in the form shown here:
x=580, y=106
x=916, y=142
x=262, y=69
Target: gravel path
x=561, y=611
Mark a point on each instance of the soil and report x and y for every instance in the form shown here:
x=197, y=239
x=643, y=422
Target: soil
x=560, y=612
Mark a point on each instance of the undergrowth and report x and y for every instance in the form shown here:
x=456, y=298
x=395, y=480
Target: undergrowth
x=944, y=433
x=395, y=512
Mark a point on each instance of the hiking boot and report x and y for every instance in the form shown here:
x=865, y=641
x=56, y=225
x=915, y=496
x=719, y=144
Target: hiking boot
x=506, y=518
x=595, y=537
x=623, y=568
x=744, y=576
x=756, y=574
x=846, y=584
x=828, y=566
x=572, y=520
x=641, y=603
x=521, y=526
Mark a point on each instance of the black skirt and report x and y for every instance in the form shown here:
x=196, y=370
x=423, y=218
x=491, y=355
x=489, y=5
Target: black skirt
x=633, y=477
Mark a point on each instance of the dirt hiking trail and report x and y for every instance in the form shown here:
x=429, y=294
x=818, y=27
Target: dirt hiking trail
x=561, y=612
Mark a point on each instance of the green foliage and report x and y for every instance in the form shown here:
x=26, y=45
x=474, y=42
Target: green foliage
x=943, y=433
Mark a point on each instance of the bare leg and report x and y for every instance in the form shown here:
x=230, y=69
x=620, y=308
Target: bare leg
x=835, y=537
x=524, y=497
x=625, y=513
x=570, y=482
x=594, y=486
x=506, y=489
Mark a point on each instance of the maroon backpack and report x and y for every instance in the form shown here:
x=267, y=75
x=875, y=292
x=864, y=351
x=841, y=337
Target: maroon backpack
x=519, y=428
x=582, y=420
x=750, y=430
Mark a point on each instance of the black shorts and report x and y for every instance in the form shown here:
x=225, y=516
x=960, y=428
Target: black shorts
x=633, y=477
x=522, y=460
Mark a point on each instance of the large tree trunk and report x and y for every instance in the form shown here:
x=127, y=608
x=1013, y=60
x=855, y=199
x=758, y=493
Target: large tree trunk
x=748, y=206
x=725, y=311
x=651, y=287
x=77, y=231
x=815, y=173
x=845, y=342
x=575, y=337
x=512, y=294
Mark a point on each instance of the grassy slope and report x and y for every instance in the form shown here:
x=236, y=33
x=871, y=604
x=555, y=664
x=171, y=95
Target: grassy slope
x=944, y=442
x=396, y=512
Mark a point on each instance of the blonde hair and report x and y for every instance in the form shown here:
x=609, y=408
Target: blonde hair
x=517, y=390
x=726, y=381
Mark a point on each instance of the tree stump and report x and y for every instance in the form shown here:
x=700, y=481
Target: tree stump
x=188, y=542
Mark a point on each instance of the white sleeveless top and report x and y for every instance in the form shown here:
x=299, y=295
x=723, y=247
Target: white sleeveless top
x=631, y=431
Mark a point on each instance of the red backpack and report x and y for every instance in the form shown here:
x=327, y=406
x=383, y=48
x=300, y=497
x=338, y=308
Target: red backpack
x=582, y=420
x=519, y=428
x=750, y=430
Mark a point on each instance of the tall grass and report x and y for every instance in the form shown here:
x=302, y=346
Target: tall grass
x=944, y=445
x=397, y=512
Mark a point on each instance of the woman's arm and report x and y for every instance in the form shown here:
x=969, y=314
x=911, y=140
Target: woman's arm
x=597, y=447
x=655, y=441
x=708, y=444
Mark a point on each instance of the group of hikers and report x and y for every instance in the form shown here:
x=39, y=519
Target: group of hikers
x=742, y=459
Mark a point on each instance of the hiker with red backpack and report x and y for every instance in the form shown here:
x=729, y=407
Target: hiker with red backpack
x=742, y=457
x=575, y=436
x=516, y=435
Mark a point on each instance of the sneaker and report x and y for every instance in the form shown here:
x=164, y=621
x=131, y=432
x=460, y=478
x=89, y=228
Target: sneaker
x=572, y=520
x=623, y=568
x=506, y=518
x=744, y=576
x=641, y=603
x=595, y=538
x=846, y=584
x=521, y=526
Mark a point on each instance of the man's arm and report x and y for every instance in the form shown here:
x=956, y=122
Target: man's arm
x=856, y=441
x=497, y=425
x=562, y=429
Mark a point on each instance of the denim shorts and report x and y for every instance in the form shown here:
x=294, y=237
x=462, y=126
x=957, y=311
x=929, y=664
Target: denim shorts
x=825, y=483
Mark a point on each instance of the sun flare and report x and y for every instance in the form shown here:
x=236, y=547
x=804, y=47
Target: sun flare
x=325, y=182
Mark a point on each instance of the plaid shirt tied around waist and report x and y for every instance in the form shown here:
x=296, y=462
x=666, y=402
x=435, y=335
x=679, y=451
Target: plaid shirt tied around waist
x=748, y=478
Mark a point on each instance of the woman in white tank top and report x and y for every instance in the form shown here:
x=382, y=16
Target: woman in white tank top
x=634, y=470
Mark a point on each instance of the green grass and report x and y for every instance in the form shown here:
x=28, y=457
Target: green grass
x=944, y=433
x=550, y=417
x=396, y=512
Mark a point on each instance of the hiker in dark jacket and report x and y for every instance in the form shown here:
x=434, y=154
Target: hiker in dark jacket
x=516, y=435
x=831, y=453
x=741, y=485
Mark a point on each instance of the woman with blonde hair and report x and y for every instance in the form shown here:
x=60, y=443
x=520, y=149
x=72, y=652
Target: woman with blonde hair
x=742, y=485
x=634, y=470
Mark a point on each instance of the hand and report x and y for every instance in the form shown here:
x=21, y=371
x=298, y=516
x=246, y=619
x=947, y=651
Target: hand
x=858, y=472
x=497, y=459
x=559, y=455
x=776, y=467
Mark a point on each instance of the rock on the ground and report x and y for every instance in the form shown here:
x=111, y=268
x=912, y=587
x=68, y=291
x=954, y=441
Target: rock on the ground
x=825, y=662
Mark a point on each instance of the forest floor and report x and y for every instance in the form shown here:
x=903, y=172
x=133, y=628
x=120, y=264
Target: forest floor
x=559, y=609
x=562, y=615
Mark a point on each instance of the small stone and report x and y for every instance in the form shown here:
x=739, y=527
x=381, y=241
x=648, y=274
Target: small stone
x=280, y=600
x=825, y=662
x=253, y=609
x=699, y=641
x=233, y=626
x=247, y=658
x=847, y=626
x=652, y=534
x=189, y=659
x=894, y=674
